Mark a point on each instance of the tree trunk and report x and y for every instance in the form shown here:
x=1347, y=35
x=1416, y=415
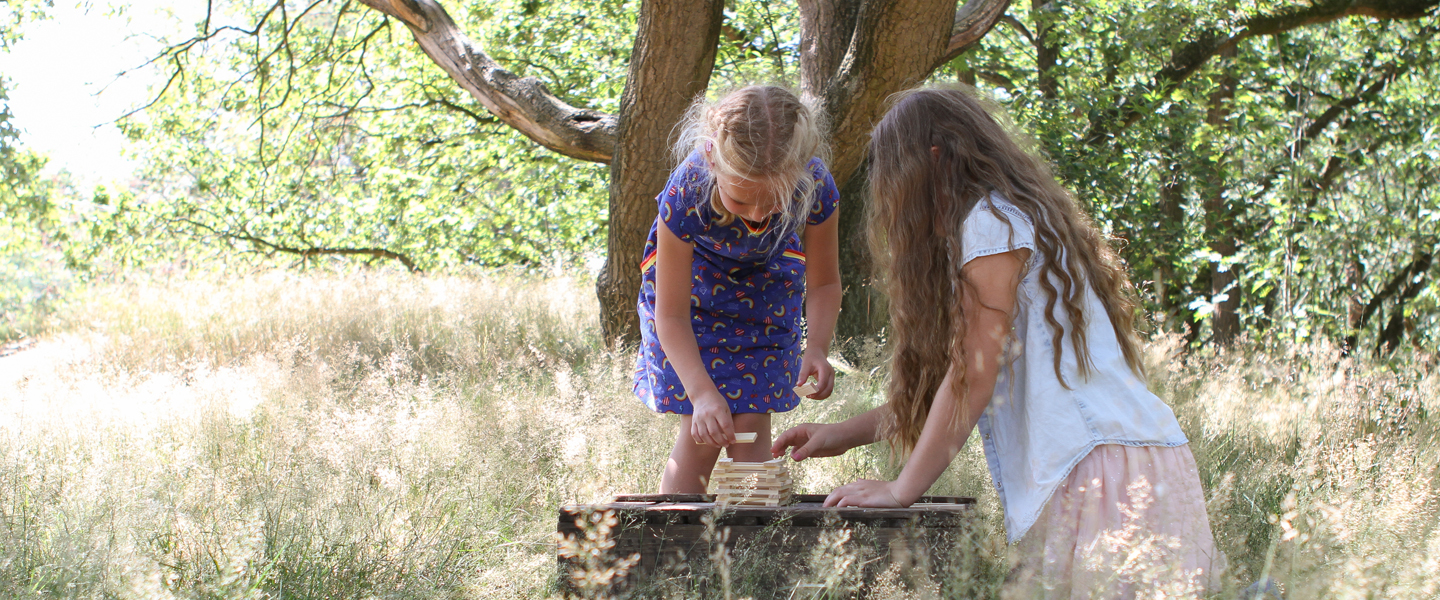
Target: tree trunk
x=1354, y=305
x=1047, y=53
x=854, y=56
x=1169, y=234
x=863, y=309
x=1224, y=279
x=671, y=63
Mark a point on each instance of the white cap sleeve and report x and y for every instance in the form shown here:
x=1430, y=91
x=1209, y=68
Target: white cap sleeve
x=986, y=233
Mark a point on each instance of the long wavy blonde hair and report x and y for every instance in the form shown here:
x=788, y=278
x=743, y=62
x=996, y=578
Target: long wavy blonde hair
x=919, y=201
x=758, y=133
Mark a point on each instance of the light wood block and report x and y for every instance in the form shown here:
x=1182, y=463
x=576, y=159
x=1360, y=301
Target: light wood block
x=746, y=437
x=805, y=389
x=751, y=483
x=730, y=464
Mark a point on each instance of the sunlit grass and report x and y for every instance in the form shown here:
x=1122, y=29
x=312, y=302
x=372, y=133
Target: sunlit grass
x=394, y=436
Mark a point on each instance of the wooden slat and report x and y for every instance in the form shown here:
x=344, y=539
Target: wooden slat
x=664, y=498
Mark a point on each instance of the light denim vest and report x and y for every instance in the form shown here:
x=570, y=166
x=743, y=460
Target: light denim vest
x=1035, y=430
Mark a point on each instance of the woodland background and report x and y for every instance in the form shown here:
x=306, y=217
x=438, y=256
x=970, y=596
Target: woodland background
x=299, y=352
x=1267, y=168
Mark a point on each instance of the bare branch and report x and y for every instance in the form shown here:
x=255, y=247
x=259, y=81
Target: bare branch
x=522, y=103
x=972, y=22
x=1015, y=24
x=270, y=248
x=1369, y=94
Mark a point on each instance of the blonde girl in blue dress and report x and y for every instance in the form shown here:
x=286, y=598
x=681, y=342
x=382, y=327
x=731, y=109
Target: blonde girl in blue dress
x=745, y=244
x=1010, y=311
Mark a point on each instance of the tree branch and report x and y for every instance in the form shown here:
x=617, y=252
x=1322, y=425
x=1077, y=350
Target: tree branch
x=268, y=248
x=1322, y=122
x=972, y=22
x=1015, y=24
x=521, y=102
x=742, y=38
x=1414, y=273
x=1188, y=58
x=1394, y=330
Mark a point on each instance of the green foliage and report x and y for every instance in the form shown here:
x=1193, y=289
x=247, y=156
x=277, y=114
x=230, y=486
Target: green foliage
x=33, y=282
x=1301, y=158
x=324, y=130
x=31, y=278
x=14, y=14
x=1301, y=163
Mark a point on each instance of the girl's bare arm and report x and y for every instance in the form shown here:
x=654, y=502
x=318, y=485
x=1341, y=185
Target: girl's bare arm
x=989, y=309
x=822, y=300
x=674, y=258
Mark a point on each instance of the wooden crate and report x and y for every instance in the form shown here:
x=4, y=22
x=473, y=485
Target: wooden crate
x=669, y=532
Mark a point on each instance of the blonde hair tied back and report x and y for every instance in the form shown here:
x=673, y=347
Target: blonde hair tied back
x=763, y=134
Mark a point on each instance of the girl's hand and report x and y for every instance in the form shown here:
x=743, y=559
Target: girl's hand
x=711, y=422
x=817, y=364
x=867, y=493
x=810, y=440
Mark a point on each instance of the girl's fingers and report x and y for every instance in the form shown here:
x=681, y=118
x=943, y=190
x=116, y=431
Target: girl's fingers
x=838, y=495
x=804, y=452
x=705, y=432
x=784, y=441
x=711, y=433
x=827, y=383
x=720, y=432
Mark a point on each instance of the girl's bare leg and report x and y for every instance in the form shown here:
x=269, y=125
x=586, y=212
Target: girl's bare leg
x=688, y=470
x=758, y=451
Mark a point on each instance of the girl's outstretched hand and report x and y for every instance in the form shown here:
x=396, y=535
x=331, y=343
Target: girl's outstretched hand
x=711, y=422
x=866, y=493
x=818, y=364
x=809, y=440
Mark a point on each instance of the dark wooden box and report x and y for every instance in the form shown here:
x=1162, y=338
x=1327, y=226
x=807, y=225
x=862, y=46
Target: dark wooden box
x=671, y=535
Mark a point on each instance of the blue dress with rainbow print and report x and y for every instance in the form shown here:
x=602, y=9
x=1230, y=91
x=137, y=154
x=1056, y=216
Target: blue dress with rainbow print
x=746, y=299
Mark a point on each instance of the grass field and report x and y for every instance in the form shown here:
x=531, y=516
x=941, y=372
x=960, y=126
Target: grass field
x=390, y=436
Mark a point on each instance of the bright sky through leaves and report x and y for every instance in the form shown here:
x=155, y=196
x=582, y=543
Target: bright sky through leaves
x=63, y=87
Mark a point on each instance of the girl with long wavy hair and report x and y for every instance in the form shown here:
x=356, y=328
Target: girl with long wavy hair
x=1010, y=310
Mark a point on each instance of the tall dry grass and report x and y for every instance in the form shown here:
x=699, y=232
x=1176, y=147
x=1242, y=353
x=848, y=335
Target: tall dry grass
x=391, y=436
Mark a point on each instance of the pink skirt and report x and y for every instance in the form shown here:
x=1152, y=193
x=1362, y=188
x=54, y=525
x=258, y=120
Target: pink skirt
x=1129, y=521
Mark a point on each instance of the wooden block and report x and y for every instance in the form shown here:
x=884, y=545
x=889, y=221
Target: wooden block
x=752, y=492
x=752, y=501
x=805, y=389
x=769, y=502
x=720, y=484
x=728, y=463
x=755, y=502
x=749, y=485
x=723, y=484
x=753, y=472
x=745, y=489
x=750, y=481
x=745, y=437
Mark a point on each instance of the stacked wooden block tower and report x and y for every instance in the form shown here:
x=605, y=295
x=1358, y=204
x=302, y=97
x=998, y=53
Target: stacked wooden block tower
x=751, y=483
